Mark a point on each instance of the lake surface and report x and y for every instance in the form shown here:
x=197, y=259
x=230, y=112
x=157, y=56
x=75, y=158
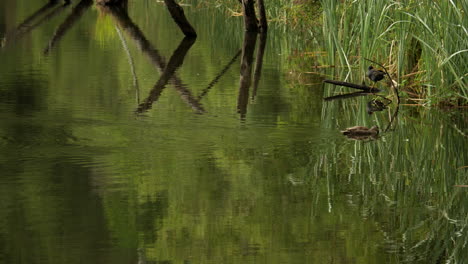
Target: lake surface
x=121, y=142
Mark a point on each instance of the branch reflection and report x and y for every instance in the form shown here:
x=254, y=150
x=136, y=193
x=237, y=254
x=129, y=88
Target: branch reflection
x=248, y=48
x=218, y=76
x=28, y=24
x=259, y=62
x=121, y=17
x=75, y=15
x=174, y=63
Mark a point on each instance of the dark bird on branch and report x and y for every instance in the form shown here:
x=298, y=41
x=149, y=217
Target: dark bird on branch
x=375, y=75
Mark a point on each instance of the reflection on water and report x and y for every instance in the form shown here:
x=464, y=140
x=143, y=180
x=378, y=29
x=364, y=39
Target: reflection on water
x=33, y=21
x=71, y=19
x=128, y=143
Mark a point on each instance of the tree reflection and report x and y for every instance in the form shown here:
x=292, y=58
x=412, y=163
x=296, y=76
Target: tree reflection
x=75, y=15
x=248, y=48
x=34, y=20
x=174, y=63
x=168, y=70
x=259, y=63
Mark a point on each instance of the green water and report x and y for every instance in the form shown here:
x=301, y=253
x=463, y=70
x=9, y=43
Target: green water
x=198, y=176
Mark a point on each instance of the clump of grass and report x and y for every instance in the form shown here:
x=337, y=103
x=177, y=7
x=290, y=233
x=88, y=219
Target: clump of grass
x=424, y=43
x=297, y=14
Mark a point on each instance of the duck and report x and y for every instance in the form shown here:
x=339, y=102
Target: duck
x=361, y=131
x=375, y=75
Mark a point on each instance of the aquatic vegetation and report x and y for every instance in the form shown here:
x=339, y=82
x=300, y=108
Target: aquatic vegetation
x=423, y=43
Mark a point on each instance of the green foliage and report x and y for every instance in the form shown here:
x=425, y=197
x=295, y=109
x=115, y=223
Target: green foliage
x=423, y=43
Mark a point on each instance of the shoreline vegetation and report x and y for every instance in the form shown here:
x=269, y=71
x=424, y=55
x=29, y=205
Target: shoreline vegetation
x=424, y=44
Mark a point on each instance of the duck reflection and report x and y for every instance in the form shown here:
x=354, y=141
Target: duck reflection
x=361, y=132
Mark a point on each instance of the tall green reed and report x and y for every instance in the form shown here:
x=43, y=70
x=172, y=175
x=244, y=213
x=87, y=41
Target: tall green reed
x=423, y=43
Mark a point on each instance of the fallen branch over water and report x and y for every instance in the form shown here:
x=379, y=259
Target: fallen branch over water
x=364, y=88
